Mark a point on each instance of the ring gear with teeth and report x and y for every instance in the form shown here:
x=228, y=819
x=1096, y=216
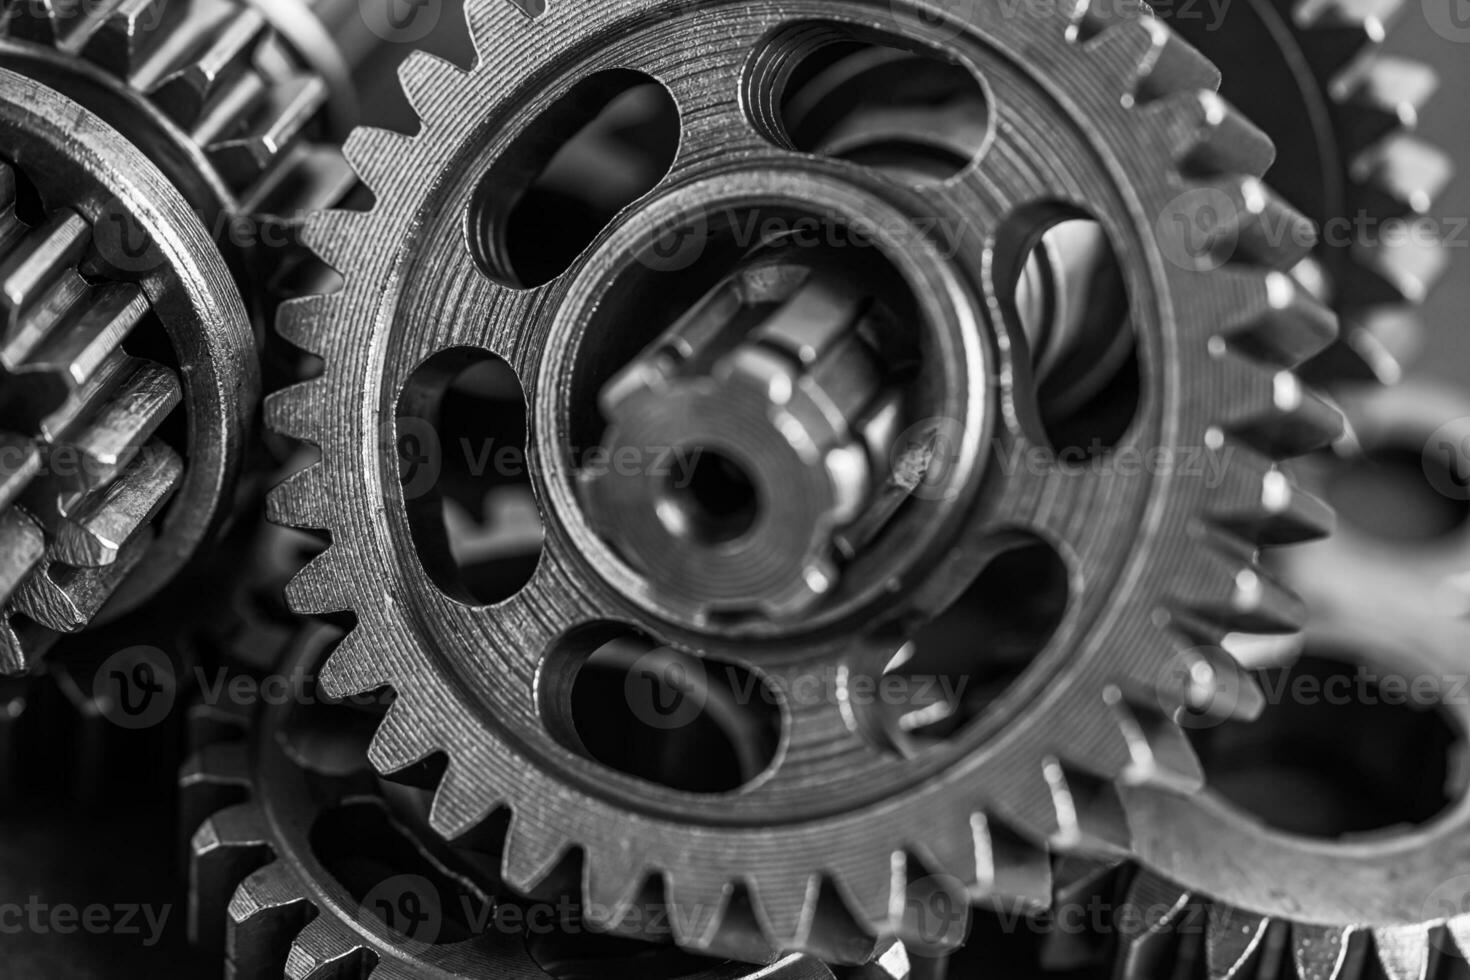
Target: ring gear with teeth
x=819, y=854
x=272, y=884
x=1388, y=902
x=82, y=482
x=1342, y=113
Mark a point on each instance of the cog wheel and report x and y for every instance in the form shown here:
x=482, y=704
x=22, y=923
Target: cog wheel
x=289, y=882
x=1342, y=115
x=1352, y=887
x=1093, y=114
x=104, y=496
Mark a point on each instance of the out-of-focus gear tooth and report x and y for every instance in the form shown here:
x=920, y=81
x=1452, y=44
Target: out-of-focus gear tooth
x=1399, y=269
x=1328, y=952
x=11, y=228
x=1384, y=339
x=121, y=34
x=309, y=176
x=65, y=598
x=1401, y=175
x=1341, y=33
x=107, y=441
x=266, y=912
x=1257, y=603
x=1283, y=512
x=1288, y=327
x=96, y=532
x=1406, y=952
x=211, y=778
x=1090, y=18
x=1389, y=95
x=199, y=59
x=1152, y=914
x=1236, y=943
x=1259, y=226
x=1296, y=421
x=1207, y=138
x=20, y=461
x=49, y=252
x=242, y=158
x=226, y=848
x=22, y=546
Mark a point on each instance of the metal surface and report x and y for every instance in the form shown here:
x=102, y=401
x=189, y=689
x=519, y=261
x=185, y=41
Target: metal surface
x=1247, y=899
x=84, y=508
x=1107, y=114
x=287, y=881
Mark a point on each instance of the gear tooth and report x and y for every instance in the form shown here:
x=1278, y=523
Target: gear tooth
x=426, y=80
x=698, y=901
x=1378, y=342
x=307, y=321
x=1402, y=269
x=1090, y=813
x=1151, y=60
x=1234, y=942
x=1285, y=325
x=321, y=586
x=351, y=668
x=960, y=846
x=1206, y=136
x=376, y=156
x=38, y=22
x=400, y=741
x=1152, y=915
x=611, y=883
x=334, y=235
x=66, y=598
x=125, y=35
x=325, y=949
x=458, y=807
x=533, y=851
x=1161, y=753
x=296, y=411
x=1291, y=419
x=1457, y=931
x=183, y=78
x=1340, y=34
x=1230, y=590
x=1021, y=869
x=1404, y=951
x=1400, y=175
x=300, y=500
x=266, y=911
x=1328, y=952
x=245, y=156
x=872, y=888
x=1389, y=95
x=786, y=906
x=1279, y=511
x=24, y=548
x=226, y=848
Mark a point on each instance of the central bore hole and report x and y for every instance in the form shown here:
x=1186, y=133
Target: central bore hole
x=714, y=501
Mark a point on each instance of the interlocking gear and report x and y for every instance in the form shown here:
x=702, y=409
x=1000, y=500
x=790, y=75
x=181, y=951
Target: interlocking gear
x=323, y=872
x=1249, y=900
x=86, y=473
x=1342, y=113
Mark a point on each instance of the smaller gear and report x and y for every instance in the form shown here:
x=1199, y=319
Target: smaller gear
x=326, y=871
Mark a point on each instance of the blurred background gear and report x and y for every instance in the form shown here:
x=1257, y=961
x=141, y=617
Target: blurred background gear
x=809, y=411
x=1330, y=841
x=1343, y=115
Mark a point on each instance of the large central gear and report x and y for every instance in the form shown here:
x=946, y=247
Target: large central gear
x=1095, y=114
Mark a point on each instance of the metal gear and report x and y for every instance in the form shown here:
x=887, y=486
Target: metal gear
x=286, y=879
x=1342, y=114
x=1113, y=115
x=83, y=482
x=1249, y=900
